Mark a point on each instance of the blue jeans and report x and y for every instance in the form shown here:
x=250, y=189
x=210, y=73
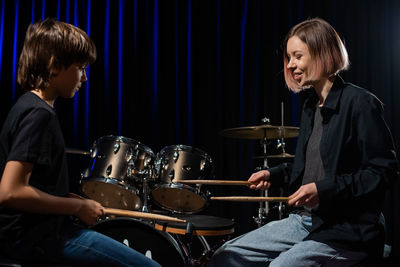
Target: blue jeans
x=280, y=243
x=77, y=246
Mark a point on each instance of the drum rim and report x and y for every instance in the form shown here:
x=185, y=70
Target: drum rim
x=181, y=147
x=128, y=188
x=180, y=186
x=123, y=139
x=180, y=228
x=114, y=181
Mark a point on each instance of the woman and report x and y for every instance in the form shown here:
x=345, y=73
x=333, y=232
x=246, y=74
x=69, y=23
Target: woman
x=344, y=160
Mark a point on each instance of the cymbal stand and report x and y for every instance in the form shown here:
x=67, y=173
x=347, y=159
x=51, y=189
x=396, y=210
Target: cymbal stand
x=263, y=212
x=281, y=144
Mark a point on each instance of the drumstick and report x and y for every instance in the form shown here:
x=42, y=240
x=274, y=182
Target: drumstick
x=212, y=182
x=252, y=199
x=142, y=215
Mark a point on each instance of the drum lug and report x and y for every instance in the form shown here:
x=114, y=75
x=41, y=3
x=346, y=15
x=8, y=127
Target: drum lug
x=132, y=156
x=171, y=174
x=109, y=170
x=92, y=153
x=208, y=193
x=129, y=157
x=202, y=164
x=187, y=168
x=85, y=173
x=130, y=172
x=198, y=189
x=147, y=161
x=165, y=165
x=116, y=147
x=176, y=156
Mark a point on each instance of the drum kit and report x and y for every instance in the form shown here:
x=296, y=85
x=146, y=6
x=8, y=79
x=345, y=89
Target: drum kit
x=125, y=176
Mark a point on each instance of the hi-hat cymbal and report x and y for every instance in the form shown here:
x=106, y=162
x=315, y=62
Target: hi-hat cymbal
x=277, y=156
x=260, y=132
x=69, y=150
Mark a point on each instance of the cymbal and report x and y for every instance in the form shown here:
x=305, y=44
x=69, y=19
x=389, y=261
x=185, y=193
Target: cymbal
x=69, y=150
x=277, y=156
x=261, y=131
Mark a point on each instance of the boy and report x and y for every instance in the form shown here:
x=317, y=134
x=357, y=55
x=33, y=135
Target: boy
x=35, y=207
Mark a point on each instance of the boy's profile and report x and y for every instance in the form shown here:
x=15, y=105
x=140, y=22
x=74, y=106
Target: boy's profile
x=35, y=204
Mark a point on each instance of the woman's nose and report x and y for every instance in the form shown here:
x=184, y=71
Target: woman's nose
x=290, y=64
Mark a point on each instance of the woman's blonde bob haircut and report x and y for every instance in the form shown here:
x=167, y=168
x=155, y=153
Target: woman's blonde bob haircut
x=327, y=50
x=51, y=45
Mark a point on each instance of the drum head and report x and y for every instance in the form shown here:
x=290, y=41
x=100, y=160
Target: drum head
x=142, y=237
x=111, y=194
x=178, y=199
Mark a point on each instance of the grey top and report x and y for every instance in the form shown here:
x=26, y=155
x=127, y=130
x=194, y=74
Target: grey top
x=314, y=169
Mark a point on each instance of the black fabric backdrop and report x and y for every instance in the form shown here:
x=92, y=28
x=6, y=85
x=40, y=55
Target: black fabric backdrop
x=179, y=72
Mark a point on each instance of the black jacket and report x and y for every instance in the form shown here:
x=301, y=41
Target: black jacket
x=359, y=162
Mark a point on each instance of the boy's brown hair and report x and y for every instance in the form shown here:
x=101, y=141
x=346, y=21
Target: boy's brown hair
x=52, y=45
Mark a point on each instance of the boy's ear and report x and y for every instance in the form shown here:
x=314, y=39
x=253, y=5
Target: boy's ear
x=53, y=69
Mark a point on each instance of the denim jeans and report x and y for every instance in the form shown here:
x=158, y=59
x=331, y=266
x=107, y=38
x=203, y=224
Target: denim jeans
x=280, y=243
x=77, y=246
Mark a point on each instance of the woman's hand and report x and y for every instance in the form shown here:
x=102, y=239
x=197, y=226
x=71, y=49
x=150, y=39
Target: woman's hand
x=306, y=195
x=260, y=180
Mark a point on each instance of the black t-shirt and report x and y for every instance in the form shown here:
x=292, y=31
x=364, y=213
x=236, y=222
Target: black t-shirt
x=31, y=133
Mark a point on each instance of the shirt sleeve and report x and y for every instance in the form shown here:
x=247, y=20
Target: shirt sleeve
x=31, y=138
x=280, y=174
x=379, y=164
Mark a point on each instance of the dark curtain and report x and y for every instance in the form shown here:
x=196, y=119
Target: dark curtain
x=179, y=72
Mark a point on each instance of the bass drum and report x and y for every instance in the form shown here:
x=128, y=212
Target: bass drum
x=181, y=162
x=144, y=238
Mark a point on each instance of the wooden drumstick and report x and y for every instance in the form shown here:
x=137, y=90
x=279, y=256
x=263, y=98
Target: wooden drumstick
x=141, y=215
x=212, y=182
x=251, y=199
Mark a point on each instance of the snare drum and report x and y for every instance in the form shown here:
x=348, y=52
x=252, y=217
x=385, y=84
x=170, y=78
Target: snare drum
x=182, y=163
x=142, y=237
x=117, y=168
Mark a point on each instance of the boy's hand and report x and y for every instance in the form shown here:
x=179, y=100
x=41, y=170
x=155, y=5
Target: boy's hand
x=90, y=212
x=73, y=195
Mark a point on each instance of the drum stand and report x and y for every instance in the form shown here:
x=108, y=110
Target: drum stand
x=146, y=192
x=185, y=242
x=281, y=144
x=281, y=207
x=261, y=219
x=263, y=212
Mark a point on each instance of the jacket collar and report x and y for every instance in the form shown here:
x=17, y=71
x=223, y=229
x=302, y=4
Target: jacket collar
x=333, y=98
